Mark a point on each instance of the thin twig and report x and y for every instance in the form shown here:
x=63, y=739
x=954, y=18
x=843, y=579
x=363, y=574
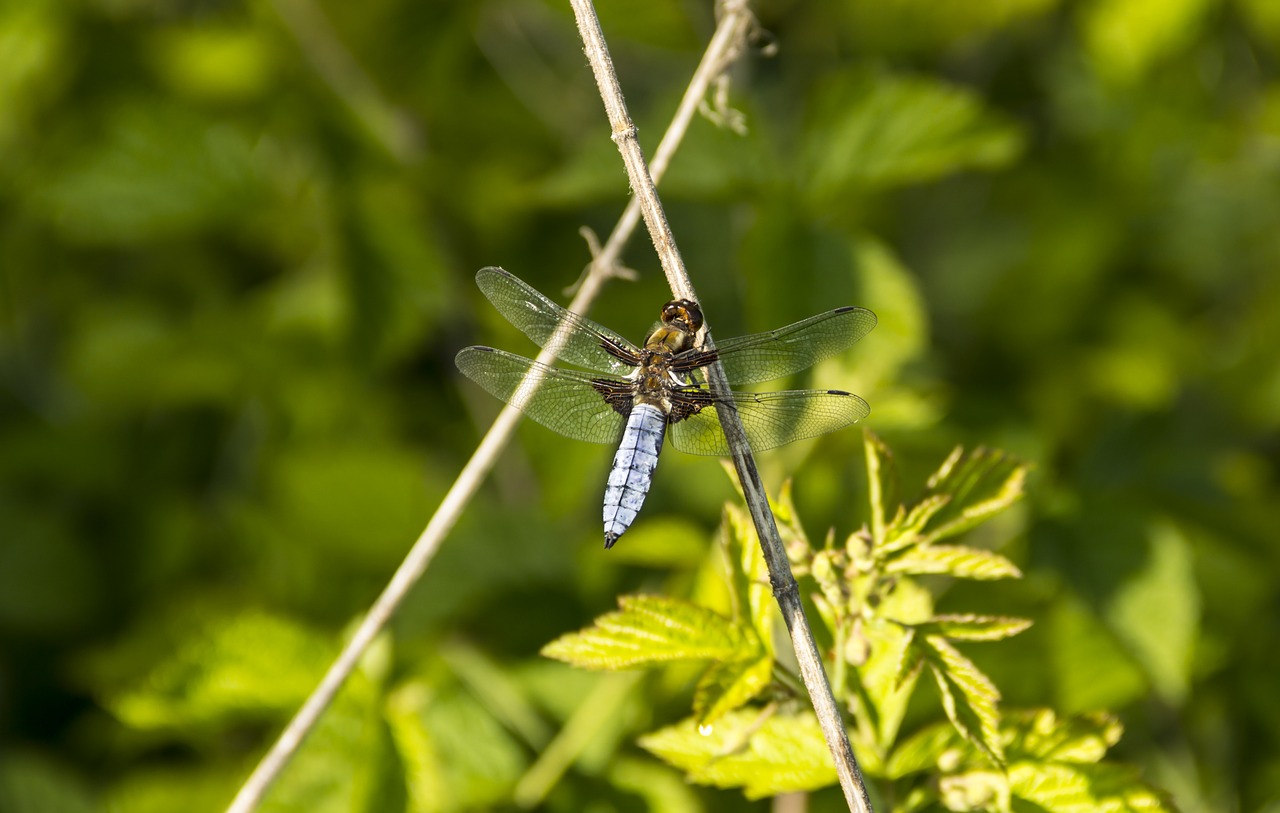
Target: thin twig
x=784, y=584
x=726, y=42
x=398, y=134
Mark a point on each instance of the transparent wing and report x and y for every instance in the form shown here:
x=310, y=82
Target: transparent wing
x=563, y=401
x=766, y=356
x=539, y=318
x=771, y=419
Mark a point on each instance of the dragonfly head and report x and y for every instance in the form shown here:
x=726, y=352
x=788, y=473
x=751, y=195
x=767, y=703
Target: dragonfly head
x=683, y=315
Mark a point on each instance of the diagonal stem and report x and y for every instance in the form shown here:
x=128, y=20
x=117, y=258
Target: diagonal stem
x=724, y=44
x=785, y=589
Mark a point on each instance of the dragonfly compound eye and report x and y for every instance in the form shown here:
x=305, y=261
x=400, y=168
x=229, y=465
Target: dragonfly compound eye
x=683, y=311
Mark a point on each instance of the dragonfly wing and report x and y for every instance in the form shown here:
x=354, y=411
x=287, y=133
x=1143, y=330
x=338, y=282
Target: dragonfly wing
x=770, y=419
x=561, y=400
x=586, y=344
x=766, y=356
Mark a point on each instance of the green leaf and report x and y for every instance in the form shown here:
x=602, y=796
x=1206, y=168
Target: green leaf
x=1041, y=735
x=953, y=560
x=905, y=529
x=1091, y=668
x=922, y=751
x=884, y=683
x=870, y=130
x=974, y=627
x=727, y=685
x=1157, y=612
x=979, y=484
x=655, y=629
x=249, y=666
x=750, y=576
x=882, y=483
x=456, y=755
x=928, y=27
x=1083, y=788
x=763, y=754
x=158, y=171
x=974, y=790
x=968, y=696
x=32, y=782
x=1125, y=38
x=1036, y=735
x=347, y=763
x=661, y=788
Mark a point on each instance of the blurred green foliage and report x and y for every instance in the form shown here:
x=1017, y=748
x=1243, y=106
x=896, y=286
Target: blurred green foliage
x=236, y=249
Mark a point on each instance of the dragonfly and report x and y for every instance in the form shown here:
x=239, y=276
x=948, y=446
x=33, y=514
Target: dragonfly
x=634, y=396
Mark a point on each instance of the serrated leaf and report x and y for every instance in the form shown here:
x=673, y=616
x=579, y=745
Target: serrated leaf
x=1083, y=788
x=974, y=627
x=968, y=696
x=873, y=130
x=905, y=530
x=979, y=484
x=655, y=629
x=727, y=685
x=882, y=483
x=764, y=757
x=953, y=560
x=1041, y=735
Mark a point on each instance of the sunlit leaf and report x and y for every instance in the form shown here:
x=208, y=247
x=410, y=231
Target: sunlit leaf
x=727, y=685
x=654, y=629
x=886, y=680
x=248, y=666
x=968, y=696
x=1042, y=735
x=921, y=751
x=973, y=627
x=907, y=526
x=953, y=560
x=1126, y=38
x=974, y=790
x=882, y=483
x=1083, y=788
x=661, y=787
x=456, y=755
x=347, y=763
x=763, y=756
x=750, y=576
x=978, y=485
x=1157, y=611
x=1092, y=668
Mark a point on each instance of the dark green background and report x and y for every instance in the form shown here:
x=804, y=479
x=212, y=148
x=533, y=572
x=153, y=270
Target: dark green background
x=237, y=243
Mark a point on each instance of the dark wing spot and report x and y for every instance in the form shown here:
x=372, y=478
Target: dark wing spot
x=619, y=396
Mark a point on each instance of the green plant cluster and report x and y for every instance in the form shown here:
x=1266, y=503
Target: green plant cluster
x=882, y=632
x=237, y=245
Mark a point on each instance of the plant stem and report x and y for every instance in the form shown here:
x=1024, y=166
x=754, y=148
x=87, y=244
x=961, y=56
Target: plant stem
x=724, y=45
x=785, y=589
